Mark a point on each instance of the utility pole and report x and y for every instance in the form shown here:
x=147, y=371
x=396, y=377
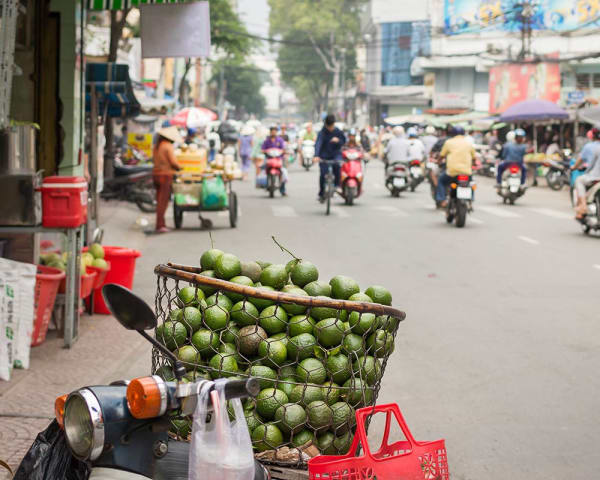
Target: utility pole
x=221, y=104
x=525, y=14
x=343, y=50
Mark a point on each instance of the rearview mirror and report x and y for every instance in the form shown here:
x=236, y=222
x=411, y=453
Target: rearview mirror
x=129, y=309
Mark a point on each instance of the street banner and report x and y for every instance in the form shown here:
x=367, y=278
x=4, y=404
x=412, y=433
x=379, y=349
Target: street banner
x=512, y=83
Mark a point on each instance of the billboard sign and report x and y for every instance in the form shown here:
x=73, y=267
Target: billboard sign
x=475, y=16
x=451, y=100
x=512, y=83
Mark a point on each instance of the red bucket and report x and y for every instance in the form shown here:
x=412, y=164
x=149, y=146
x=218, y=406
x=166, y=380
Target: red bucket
x=406, y=459
x=47, y=282
x=122, y=269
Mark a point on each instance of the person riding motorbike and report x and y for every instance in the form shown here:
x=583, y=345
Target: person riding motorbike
x=397, y=148
x=352, y=143
x=275, y=141
x=308, y=135
x=459, y=154
x=513, y=153
x=590, y=154
x=429, y=139
x=328, y=147
x=416, y=149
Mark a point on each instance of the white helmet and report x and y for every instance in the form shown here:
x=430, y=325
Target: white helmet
x=510, y=136
x=398, y=131
x=430, y=130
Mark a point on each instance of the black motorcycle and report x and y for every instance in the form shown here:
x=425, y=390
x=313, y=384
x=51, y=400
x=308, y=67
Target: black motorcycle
x=132, y=183
x=461, y=200
x=121, y=430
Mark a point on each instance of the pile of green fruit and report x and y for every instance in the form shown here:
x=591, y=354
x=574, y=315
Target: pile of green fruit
x=316, y=365
x=93, y=257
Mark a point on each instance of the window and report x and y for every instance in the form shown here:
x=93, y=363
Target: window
x=596, y=80
x=582, y=81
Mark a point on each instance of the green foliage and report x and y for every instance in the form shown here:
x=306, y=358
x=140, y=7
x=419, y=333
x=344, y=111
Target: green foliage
x=243, y=83
x=227, y=30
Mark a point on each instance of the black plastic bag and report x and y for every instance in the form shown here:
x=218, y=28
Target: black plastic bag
x=49, y=458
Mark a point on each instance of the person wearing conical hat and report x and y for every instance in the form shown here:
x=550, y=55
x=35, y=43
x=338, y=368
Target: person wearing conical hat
x=165, y=165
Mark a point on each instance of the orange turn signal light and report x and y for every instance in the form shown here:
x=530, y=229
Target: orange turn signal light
x=453, y=185
x=474, y=186
x=59, y=410
x=147, y=397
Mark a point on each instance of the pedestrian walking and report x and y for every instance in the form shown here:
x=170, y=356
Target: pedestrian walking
x=245, y=148
x=165, y=165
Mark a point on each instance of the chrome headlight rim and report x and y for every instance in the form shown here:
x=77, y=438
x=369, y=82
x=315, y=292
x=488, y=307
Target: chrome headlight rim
x=96, y=419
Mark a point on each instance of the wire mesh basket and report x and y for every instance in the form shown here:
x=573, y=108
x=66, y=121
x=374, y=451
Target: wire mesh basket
x=318, y=359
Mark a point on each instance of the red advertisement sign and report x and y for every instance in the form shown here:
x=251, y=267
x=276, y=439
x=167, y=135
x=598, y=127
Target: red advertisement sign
x=512, y=83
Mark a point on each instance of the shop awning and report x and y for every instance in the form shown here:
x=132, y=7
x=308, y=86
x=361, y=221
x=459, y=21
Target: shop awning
x=123, y=4
x=112, y=87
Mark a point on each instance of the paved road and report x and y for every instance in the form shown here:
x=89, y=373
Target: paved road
x=500, y=348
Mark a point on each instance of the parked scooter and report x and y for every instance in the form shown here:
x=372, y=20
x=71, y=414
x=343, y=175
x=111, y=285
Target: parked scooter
x=351, y=175
x=396, y=178
x=121, y=430
x=308, y=153
x=510, y=189
x=461, y=199
x=591, y=221
x=559, y=171
x=274, y=166
x=132, y=183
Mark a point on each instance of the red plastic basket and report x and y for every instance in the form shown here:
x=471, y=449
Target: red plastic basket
x=47, y=282
x=406, y=459
x=100, y=275
x=86, y=284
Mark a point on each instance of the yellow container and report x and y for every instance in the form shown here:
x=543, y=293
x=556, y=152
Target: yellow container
x=192, y=161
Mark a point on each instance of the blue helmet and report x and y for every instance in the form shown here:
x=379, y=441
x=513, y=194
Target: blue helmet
x=412, y=132
x=458, y=130
x=519, y=132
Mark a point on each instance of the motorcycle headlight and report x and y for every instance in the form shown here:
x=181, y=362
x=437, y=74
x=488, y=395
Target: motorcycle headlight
x=84, y=425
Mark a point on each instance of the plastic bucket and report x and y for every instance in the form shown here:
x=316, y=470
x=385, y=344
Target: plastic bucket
x=47, y=281
x=122, y=269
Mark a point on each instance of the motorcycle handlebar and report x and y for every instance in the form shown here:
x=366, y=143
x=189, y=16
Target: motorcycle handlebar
x=249, y=387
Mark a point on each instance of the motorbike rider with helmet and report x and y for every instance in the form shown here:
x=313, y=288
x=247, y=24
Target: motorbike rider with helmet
x=416, y=149
x=275, y=141
x=352, y=143
x=429, y=139
x=590, y=155
x=513, y=153
x=459, y=155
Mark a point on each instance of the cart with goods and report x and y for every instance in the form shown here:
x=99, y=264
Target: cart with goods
x=318, y=348
x=199, y=187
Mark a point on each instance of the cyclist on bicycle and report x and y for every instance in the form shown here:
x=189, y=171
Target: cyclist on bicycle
x=329, y=147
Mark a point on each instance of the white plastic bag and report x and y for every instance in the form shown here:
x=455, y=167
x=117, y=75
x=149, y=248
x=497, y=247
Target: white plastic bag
x=221, y=449
x=5, y=362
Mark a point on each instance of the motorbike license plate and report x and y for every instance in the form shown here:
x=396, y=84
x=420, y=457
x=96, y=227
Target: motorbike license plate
x=399, y=182
x=431, y=165
x=464, y=193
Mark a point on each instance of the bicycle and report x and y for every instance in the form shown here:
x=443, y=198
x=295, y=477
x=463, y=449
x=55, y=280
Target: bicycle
x=329, y=184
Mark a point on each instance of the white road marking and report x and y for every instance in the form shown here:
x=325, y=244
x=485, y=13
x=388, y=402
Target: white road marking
x=338, y=212
x=499, y=212
x=393, y=211
x=528, y=240
x=552, y=213
x=283, y=211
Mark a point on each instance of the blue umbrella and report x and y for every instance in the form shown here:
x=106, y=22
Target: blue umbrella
x=532, y=111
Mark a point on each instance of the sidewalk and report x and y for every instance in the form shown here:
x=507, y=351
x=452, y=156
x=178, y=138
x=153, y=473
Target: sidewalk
x=104, y=352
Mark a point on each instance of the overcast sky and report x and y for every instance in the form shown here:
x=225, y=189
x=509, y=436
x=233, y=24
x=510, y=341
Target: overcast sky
x=255, y=13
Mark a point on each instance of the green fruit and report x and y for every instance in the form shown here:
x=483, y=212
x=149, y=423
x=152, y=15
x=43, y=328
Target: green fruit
x=282, y=337
x=356, y=393
x=287, y=371
x=231, y=334
x=388, y=323
x=100, y=263
x=379, y=295
x=275, y=276
x=260, y=303
x=207, y=289
x=166, y=373
x=318, y=288
x=172, y=334
x=290, y=417
x=266, y=375
x=331, y=392
x=227, y=266
x=302, y=437
x=301, y=346
x=362, y=323
x=273, y=319
x=189, y=356
x=367, y=368
x=341, y=445
x=87, y=259
x=301, y=324
x=181, y=427
x=268, y=401
x=190, y=296
x=320, y=415
x=290, y=264
x=206, y=342
x=195, y=375
x=311, y=370
x=240, y=280
x=325, y=443
x=192, y=319
x=249, y=339
x=96, y=250
x=46, y=258
x=360, y=297
x=244, y=313
x=272, y=351
x=286, y=385
x=353, y=345
x=343, y=417
x=251, y=270
x=220, y=299
x=303, y=273
x=339, y=368
x=262, y=264
x=329, y=332
x=176, y=315
x=380, y=343
x=305, y=394
x=292, y=308
x=229, y=349
x=224, y=365
x=209, y=258
x=267, y=437
x=57, y=264
x=216, y=318
x=253, y=419
x=343, y=287
x=321, y=313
